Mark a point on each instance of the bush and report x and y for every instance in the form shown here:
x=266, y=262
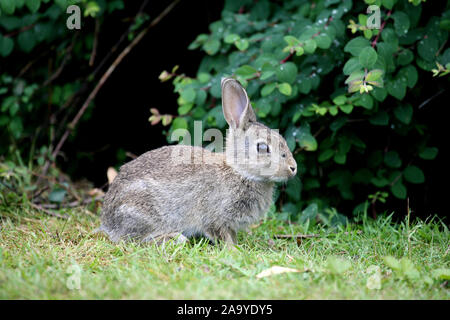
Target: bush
x=45, y=69
x=343, y=95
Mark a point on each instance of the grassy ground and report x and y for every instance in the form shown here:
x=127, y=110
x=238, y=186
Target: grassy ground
x=43, y=257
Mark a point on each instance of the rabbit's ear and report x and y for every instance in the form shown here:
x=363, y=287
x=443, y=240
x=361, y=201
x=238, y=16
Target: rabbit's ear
x=235, y=104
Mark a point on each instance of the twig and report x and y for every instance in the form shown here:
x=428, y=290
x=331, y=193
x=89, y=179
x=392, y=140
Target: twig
x=74, y=97
x=106, y=75
x=291, y=236
x=94, y=45
x=50, y=213
x=67, y=56
x=374, y=42
x=72, y=204
x=39, y=192
x=440, y=49
x=53, y=180
x=19, y=31
x=429, y=99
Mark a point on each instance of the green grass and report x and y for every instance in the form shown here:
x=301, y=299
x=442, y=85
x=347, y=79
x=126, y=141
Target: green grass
x=39, y=256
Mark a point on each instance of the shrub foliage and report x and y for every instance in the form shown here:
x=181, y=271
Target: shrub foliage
x=342, y=92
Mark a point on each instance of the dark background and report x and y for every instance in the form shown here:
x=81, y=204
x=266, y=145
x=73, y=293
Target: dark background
x=119, y=120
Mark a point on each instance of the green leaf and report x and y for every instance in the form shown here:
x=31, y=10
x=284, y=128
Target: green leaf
x=352, y=65
x=401, y=23
x=92, y=9
x=211, y=46
x=445, y=24
x=307, y=141
x=185, y=108
x=347, y=108
x=231, y=38
x=188, y=95
x=379, y=93
x=286, y=72
x=268, y=89
x=285, y=88
x=325, y=155
x=374, y=75
x=201, y=39
x=340, y=158
x=355, y=76
x=242, y=44
x=429, y=153
x=299, y=51
x=365, y=101
x=310, y=46
x=7, y=103
x=356, y=45
x=404, y=113
x=291, y=41
x=57, y=195
x=246, y=71
x=398, y=189
x=26, y=40
x=392, y=159
x=8, y=6
x=294, y=189
x=6, y=46
x=340, y=100
x=388, y=3
x=367, y=57
x=427, y=48
x=323, y=41
x=405, y=57
x=309, y=213
x=413, y=174
x=266, y=74
x=408, y=75
x=381, y=118
x=396, y=88
x=33, y=5
x=179, y=123
x=203, y=77
x=368, y=34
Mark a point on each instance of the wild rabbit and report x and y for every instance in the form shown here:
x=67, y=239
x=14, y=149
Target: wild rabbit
x=158, y=196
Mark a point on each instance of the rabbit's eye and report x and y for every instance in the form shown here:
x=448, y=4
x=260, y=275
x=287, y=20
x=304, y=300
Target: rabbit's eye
x=262, y=147
x=283, y=155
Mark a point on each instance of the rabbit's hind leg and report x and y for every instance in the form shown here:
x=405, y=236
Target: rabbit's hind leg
x=127, y=221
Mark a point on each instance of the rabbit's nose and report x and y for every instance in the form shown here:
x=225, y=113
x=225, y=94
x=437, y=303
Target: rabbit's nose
x=293, y=169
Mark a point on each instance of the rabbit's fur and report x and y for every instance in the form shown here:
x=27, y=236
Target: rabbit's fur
x=159, y=196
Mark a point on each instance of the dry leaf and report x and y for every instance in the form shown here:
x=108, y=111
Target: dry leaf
x=96, y=192
x=275, y=270
x=111, y=174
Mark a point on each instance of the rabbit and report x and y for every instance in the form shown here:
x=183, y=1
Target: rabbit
x=157, y=196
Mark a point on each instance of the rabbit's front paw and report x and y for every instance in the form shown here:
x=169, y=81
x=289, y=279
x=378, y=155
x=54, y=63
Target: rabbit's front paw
x=228, y=236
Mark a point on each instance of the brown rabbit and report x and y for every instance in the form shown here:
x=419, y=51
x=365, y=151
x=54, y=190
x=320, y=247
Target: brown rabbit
x=180, y=191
